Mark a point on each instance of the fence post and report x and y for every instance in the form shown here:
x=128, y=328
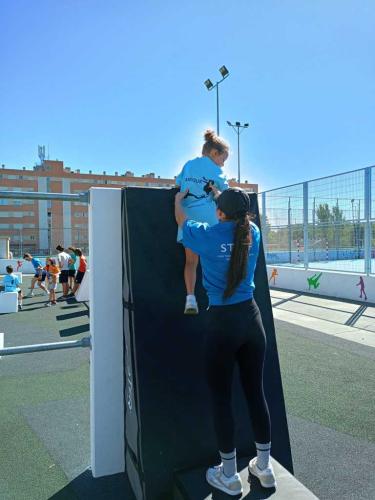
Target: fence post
x=289, y=231
x=306, y=224
x=367, y=220
x=264, y=225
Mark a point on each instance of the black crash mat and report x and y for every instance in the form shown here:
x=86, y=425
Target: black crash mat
x=167, y=413
x=192, y=485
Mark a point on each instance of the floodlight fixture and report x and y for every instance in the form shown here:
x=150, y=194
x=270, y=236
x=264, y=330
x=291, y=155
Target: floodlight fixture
x=229, y=123
x=209, y=84
x=238, y=124
x=224, y=72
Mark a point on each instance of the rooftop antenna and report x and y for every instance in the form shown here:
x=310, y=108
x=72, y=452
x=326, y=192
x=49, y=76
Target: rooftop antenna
x=42, y=153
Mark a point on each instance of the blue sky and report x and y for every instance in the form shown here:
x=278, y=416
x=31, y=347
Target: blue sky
x=118, y=85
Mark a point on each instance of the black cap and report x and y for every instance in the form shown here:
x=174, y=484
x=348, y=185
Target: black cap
x=233, y=201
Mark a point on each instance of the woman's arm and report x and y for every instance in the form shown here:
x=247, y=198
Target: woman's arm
x=178, y=210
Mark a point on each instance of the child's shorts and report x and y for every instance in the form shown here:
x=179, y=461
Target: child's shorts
x=52, y=286
x=200, y=214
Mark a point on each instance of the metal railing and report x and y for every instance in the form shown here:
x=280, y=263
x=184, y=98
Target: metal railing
x=51, y=346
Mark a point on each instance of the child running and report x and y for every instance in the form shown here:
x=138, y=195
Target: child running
x=11, y=283
x=52, y=275
x=204, y=179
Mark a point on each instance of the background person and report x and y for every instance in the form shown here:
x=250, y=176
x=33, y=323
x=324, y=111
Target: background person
x=72, y=267
x=204, y=179
x=39, y=276
x=228, y=252
x=81, y=269
x=52, y=275
x=63, y=263
x=11, y=283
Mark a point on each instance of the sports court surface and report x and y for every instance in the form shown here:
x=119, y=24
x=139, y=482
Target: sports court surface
x=347, y=265
x=328, y=371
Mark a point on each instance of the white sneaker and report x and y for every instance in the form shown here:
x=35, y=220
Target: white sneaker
x=191, y=306
x=31, y=294
x=265, y=476
x=231, y=485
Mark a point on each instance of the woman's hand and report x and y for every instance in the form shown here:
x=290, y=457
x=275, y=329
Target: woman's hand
x=180, y=196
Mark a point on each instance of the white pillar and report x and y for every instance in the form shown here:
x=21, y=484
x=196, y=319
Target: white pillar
x=67, y=215
x=106, y=327
x=43, y=215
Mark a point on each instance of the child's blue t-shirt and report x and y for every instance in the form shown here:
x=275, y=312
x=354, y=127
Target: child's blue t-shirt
x=200, y=205
x=214, y=245
x=11, y=283
x=36, y=263
x=194, y=176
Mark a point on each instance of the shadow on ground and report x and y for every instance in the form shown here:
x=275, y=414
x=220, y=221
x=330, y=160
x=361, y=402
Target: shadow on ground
x=85, y=487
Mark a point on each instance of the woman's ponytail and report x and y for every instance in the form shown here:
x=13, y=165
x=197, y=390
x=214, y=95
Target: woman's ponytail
x=240, y=253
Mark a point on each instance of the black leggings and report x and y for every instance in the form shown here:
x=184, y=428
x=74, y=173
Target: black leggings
x=236, y=333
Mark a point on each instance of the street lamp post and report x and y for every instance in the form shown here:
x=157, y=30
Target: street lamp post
x=238, y=128
x=210, y=86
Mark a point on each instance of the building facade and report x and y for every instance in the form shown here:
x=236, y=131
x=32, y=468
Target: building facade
x=37, y=226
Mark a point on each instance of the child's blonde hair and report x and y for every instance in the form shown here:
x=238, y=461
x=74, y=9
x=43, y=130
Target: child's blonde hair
x=213, y=141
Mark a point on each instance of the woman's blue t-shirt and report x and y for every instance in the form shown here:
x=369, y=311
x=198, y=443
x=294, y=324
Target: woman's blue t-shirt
x=214, y=246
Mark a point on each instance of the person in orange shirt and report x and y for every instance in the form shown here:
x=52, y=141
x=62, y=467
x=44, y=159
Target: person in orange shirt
x=53, y=272
x=81, y=269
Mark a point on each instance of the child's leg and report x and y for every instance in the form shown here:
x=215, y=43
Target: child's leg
x=190, y=272
x=20, y=297
x=33, y=283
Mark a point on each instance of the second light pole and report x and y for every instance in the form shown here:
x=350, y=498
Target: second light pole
x=238, y=128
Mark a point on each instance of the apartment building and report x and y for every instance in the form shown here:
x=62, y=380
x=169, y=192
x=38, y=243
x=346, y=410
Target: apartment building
x=37, y=226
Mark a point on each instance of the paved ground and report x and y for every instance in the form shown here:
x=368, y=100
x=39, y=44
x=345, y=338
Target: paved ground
x=329, y=386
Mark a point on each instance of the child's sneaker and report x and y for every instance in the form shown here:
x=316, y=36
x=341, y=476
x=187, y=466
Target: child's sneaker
x=30, y=294
x=47, y=304
x=20, y=307
x=191, y=306
x=265, y=476
x=231, y=485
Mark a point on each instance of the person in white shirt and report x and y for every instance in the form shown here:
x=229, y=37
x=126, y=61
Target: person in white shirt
x=63, y=263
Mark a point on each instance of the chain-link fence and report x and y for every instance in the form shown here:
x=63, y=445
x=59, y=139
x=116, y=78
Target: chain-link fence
x=326, y=223
x=43, y=241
